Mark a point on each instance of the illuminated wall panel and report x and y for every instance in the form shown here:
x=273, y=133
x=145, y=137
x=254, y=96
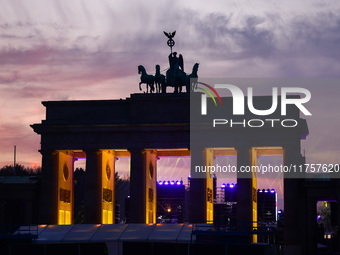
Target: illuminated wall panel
x=254, y=156
x=106, y=165
x=209, y=161
x=104, y=217
x=150, y=168
x=64, y=166
x=61, y=217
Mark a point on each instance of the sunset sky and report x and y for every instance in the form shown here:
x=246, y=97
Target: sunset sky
x=76, y=49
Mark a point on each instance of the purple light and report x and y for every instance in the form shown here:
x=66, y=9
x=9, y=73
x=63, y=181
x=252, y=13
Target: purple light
x=223, y=185
x=166, y=183
x=172, y=182
x=178, y=183
x=272, y=191
x=279, y=211
x=318, y=218
x=259, y=190
x=266, y=190
x=232, y=185
x=160, y=183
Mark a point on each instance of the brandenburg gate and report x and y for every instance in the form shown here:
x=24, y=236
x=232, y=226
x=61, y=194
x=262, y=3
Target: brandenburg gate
x=146, y=127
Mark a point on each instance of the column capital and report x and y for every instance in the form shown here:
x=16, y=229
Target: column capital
x=109, y=151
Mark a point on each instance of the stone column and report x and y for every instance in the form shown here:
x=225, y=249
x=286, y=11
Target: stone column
x=310, y=238
x=48, y=204
x=137, y=187
x=292, y=199
x=93, y=193
x=57, y=196
x=143, y=178
x=246, y=190
x=56, y=200
x=65, y=167
x=201, y=188
x=106, y=166
x=100, y=189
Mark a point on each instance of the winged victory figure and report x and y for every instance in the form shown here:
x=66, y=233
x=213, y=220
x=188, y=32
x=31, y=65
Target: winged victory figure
x=170, y=35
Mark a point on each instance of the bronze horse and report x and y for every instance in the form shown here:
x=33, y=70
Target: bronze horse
x=159, y=79
x=148, y=79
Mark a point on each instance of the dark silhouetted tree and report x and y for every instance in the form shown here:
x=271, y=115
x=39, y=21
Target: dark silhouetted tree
x=20, y=170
